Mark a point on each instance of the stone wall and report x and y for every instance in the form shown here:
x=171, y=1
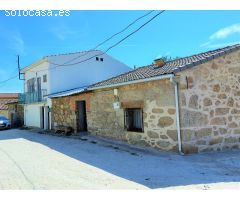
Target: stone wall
x=4, y=113
x=64, y=110
x=159, y=114
x=210, y=105
x=16, y=114
x=209, y=109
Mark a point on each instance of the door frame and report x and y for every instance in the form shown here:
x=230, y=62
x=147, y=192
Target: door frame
x=42, y=117
x=84, y=112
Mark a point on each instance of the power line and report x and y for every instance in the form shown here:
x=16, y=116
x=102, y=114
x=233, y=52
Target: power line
x=117, y=43
x=2, y=82
x=111, y=47
x=13, y=77
x=64, y=65
x=100, y=44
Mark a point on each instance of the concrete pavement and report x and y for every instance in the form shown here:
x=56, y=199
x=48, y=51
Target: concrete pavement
x=35, y=161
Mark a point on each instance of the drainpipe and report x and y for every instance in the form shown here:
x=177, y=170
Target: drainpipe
x=177, y=115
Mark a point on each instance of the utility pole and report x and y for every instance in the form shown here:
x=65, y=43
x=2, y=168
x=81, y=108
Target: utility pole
x=19, y=69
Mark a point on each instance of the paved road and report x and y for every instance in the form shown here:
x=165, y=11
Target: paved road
x=34, y=161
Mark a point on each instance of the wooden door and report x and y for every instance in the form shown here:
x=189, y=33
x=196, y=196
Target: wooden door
x=81, y=116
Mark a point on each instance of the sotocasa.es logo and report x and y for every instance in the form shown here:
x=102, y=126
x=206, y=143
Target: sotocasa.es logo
x=37, y=13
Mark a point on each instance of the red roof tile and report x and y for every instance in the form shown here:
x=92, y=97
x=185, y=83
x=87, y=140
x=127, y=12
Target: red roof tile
x=8, y=95
x=6, y=98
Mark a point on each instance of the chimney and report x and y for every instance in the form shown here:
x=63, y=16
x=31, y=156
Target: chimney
x=159, y=62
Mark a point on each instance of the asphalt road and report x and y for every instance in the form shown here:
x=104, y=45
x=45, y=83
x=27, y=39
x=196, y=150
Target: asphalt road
x=35, y=161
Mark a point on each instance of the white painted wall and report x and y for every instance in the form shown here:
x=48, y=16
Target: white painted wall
x=38, y=71
x=82, y=74
x=32, y=115
x=32, y=111
x=68, y=77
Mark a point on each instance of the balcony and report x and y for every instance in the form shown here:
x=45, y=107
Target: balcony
x=33, y=97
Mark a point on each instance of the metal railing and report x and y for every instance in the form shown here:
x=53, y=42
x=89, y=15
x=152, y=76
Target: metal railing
x=33, y=97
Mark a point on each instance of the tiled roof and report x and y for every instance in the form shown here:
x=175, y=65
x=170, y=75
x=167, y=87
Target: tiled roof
x=6, y=98
x=4, y=102
x=8, y=95
x=71, y=53
x=173, y=66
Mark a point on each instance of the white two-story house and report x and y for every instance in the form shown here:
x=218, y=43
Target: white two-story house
x=62, y=73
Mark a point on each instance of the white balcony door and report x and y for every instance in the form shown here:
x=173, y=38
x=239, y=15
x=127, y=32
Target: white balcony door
x=44, y=118
x=39, y=89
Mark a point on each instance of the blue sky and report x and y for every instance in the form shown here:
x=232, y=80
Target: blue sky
x=174, y=33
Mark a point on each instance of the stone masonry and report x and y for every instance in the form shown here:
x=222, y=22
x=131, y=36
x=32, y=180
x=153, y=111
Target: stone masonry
x=64, y=110
x=209, y=96
x=159, y=114
x=210, y=105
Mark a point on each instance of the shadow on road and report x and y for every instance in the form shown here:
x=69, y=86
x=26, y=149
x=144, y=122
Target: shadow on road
x=153, y=171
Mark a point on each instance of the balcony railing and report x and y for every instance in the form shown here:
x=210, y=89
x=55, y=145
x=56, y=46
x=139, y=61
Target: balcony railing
x=33, y=97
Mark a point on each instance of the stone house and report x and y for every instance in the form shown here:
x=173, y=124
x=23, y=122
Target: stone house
x=6, y=98
x=45, y=77
x=189, y=105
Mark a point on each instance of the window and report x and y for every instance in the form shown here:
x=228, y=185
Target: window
x=97, y=58
x=45, y=78
x=31, y=85
x=134, y=119
x=101, y=59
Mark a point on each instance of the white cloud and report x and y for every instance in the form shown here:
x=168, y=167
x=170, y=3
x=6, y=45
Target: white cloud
x=14, y=39
x=218, y=45
x=205, y=44
x=17, y=43
x=63, y=31
x=221, y=34
x=225, y=32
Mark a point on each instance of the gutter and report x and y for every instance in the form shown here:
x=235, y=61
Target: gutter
x=177, y=116
x=166, y=76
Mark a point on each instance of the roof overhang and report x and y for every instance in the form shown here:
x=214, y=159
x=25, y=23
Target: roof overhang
x=25, y=69
x=87, y=89
x=165, y=76
x=67, y=92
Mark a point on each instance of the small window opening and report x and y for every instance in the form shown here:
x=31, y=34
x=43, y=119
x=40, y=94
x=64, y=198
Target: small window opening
x=45, y=78
x=101, y=59
x=134, y=119
x=97, y=58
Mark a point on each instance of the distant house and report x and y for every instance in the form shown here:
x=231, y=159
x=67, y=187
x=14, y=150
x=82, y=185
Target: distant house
x=6, y=98
x=190, y=104
x=58, y=74
x=15, y=114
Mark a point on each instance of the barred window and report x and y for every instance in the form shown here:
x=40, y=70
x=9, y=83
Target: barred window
x=134, y=119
